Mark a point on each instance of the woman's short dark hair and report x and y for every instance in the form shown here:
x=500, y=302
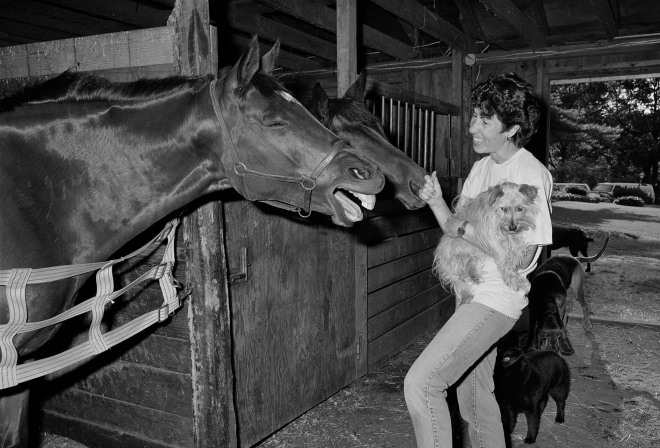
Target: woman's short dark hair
x=512, y=100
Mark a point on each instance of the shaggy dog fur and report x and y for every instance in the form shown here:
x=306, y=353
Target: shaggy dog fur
x=523, y=382
x=500, y=216
x=548, y=300
x=573, y=238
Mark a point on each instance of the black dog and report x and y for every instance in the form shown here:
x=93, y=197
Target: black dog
x=548, y=300
x=573, y=238
x=523, y=382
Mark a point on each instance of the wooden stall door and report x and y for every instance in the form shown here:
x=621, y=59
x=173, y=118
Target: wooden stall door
x=294, y=319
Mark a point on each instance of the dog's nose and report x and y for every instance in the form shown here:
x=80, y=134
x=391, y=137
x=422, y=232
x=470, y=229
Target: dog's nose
x=513, y=227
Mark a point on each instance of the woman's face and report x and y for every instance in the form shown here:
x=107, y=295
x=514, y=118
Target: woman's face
x=488, y=134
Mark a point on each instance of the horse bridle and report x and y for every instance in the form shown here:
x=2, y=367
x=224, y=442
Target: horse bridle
x=306, y=182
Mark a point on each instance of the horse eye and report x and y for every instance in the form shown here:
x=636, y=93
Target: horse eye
x=276, y=124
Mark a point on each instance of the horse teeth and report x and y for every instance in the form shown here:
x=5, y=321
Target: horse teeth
x=368, y=200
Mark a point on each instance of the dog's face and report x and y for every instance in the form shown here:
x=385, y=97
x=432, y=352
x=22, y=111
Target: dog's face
x=514, y=205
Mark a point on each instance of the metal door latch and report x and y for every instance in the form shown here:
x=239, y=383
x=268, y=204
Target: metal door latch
x=242, y=274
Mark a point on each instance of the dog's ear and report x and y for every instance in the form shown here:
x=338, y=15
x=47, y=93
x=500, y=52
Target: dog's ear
x=496, y=192
x=529, y=191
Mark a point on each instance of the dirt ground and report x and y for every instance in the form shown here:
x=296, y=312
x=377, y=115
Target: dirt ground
x=615, y=389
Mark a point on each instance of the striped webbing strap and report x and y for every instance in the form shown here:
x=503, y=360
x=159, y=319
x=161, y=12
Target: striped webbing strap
x=16, y=281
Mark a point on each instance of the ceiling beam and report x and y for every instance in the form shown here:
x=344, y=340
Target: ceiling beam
x=468, y=19
x=269, y=29
x=422, y=18
x=346, y=45
x=325, y=18
x=606, y=17
x=507, y=11
x=286, y=59
x=539, y=16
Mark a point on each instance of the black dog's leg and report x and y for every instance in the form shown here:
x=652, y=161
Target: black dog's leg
x=533, y=424
x=560, y=394
x=509, y=419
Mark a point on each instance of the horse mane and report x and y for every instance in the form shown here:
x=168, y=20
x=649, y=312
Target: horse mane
x=76, y=87
x=351, y=111
x=72, y=86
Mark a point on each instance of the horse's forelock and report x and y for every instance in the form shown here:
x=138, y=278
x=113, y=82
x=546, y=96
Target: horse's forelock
x=352, y=112
x=267, y=86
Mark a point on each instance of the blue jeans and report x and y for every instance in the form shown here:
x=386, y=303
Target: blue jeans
x=463, y=351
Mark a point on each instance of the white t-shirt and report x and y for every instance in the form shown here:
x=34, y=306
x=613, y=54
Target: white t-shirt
x=522, y=168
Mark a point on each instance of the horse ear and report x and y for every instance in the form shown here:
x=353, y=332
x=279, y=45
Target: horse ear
x=248, y=64
x=268, y=60
x=321, y=106
x=356, y=91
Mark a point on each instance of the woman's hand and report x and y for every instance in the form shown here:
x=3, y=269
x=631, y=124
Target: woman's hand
x=431, y=192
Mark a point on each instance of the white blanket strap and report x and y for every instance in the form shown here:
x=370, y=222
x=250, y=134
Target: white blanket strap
x=11, y=373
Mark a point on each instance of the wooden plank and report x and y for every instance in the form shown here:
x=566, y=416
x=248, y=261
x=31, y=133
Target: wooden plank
x=346, y=45
x=141, y=48
x=161, y=352
x=96, y=435
x=148, y=387
x=270, y=29
x=383, y=227
x=122, y=417
x=384, y=298
x=606, y=17
x=394, y=248
x=403, y=335
x=512, y=15
x=419, y=16
x=361, y=303
x=399, y=94
x=324, y=17
x=393, y=271
x=469, y=20
x=208, y=309
x=396, y=315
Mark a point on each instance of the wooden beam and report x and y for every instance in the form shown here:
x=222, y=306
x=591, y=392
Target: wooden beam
x=507, y=11
x=139, y=48
x=346, y=44
x=286, y=59
x=606, y=17
x=137, y=14
x=540, y=17
x=247, y=22
x=325, y=18
x=419, y=16
x=397, y=93
x=469, y=20
x=209, y=311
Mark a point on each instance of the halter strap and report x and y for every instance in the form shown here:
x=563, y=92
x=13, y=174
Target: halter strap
x=306, y=181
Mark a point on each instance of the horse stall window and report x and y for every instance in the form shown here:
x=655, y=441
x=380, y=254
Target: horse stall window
x=412, y=128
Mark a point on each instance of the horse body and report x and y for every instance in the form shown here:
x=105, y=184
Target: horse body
x=87, y=165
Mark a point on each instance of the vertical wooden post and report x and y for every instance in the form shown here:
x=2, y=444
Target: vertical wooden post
x=209, y=311
x=460, y=152
x=346, y=45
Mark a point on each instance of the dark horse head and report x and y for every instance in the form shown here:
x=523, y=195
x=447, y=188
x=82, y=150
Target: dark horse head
x=350, y=120
x=88, y=164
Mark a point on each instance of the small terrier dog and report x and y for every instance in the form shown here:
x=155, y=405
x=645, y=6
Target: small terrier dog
x=500, y=216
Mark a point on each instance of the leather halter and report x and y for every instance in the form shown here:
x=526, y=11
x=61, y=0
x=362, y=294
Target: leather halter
x=306, y=182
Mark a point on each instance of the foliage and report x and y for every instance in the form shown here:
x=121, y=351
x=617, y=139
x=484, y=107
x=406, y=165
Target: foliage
x=606, y=131
x=633, y=201
x=566, y=196
x=620, y=192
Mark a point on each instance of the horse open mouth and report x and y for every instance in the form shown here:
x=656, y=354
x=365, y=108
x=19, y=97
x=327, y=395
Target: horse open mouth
x=351, y=209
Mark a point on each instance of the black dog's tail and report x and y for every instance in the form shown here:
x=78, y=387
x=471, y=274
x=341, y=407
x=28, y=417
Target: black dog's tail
x=595, y=257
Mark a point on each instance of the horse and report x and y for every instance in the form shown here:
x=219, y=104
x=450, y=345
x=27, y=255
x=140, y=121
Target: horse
x=349, y=118
x=87, y=165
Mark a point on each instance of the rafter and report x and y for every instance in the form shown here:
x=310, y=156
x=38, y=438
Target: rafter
x=414, y=13
x=469, y=20
x=324, y=17
x=606, y=17
x=507, y=11
x=272, y=30
x=540, y=17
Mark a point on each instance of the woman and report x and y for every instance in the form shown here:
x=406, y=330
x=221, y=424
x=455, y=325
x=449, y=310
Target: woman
x=463, y=352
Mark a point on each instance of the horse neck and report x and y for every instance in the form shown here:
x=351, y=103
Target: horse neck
x=140, y=164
